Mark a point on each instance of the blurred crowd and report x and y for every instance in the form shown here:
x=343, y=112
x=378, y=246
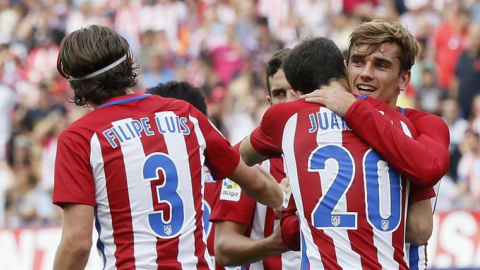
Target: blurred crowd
x=220, y=46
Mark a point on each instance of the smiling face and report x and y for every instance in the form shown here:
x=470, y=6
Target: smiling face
x=280, y=89
x=377, y=74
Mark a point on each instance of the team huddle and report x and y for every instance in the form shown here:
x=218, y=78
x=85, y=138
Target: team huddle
x=165, y=189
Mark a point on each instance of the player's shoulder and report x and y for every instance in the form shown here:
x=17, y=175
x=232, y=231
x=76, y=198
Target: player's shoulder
x=287, y=109
x=415, y=114
x=82, y=127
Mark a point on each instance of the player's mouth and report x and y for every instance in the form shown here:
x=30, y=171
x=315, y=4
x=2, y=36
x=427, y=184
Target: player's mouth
x=364, y=89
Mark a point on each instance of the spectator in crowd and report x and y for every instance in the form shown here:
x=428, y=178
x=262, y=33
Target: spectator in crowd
x=21, y=210
x=428, y=94
x=474, y=118
x=467, y=71
x=157, y=69
x=7, y=177
x=8, y=99
x=457, y=126
x=449, y=40
x=468, y=194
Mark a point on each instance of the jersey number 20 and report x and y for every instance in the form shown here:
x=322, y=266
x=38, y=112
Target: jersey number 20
x=388, y=192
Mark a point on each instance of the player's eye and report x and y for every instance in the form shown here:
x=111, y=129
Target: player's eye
x=357, y=62
x=279, y=93
x=381, y=65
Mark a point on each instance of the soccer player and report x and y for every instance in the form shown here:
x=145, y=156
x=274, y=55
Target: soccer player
x=378, y=65
x=246, y=233
x=351, y=203
x=135, y=163
x=194, y=96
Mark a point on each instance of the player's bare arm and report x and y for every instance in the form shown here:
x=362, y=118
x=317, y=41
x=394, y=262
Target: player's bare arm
x=249, y=155
x=233, y=248
x=419, y=222
x=76, y=239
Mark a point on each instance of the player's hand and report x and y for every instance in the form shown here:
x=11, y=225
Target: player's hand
x=277, y=240
x=335, y=97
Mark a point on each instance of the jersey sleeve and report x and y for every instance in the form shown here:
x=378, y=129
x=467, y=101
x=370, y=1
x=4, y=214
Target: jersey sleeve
x=221, y=157
x=419, y=194
x=423, y=160
x=73, y=174
x=290, y=226
x=266, y=139
x=236, y=208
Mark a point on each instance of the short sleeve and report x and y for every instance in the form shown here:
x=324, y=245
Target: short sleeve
x=73, y=173
x=221, y=157
x=266, y=139
x=419, y=194
x=232, y=207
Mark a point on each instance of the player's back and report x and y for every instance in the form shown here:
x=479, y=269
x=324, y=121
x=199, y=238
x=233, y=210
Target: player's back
x=146, y=155
x=350, y=202
x=260, y=221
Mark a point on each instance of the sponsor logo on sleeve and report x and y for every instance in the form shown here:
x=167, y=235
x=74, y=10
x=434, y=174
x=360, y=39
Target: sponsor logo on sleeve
x=231, y=191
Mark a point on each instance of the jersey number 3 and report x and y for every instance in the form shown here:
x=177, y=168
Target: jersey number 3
x=379, y=194
x=167, y=196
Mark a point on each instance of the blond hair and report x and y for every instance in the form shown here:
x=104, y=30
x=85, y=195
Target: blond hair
x=376, y=32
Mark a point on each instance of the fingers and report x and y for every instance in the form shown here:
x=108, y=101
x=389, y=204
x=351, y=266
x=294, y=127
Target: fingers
x=287, y=191
x=285, y=184
x=315, y=100
x=278, y=213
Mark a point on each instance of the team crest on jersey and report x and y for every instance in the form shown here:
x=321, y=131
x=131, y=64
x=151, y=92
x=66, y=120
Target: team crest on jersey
x=231, y=191
x=167, y=229
x=336, y=220
x=385, y=224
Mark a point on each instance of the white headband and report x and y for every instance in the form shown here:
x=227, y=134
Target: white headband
x=98, y=72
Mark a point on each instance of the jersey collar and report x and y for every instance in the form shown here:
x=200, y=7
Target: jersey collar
x=124, y=99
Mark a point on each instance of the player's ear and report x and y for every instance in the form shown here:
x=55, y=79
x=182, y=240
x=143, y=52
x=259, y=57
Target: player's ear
x=269, y=99
x=404, y=79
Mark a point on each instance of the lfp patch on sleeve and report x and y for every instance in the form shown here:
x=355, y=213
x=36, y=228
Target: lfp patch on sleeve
x=231, y=191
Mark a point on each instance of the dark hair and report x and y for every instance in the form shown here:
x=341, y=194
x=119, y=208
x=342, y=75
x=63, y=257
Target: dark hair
x=274, y=64
x=90, y=49
x=183, y=91
x=314, y=63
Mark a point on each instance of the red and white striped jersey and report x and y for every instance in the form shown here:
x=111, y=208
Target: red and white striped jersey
x=351, y=203
x=425, y=124
x=210, y=199
x=138, y=159
x=417, y=255
x=233, y=205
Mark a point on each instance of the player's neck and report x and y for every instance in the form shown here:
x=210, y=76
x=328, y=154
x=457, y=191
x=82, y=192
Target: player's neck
x=339, y=84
